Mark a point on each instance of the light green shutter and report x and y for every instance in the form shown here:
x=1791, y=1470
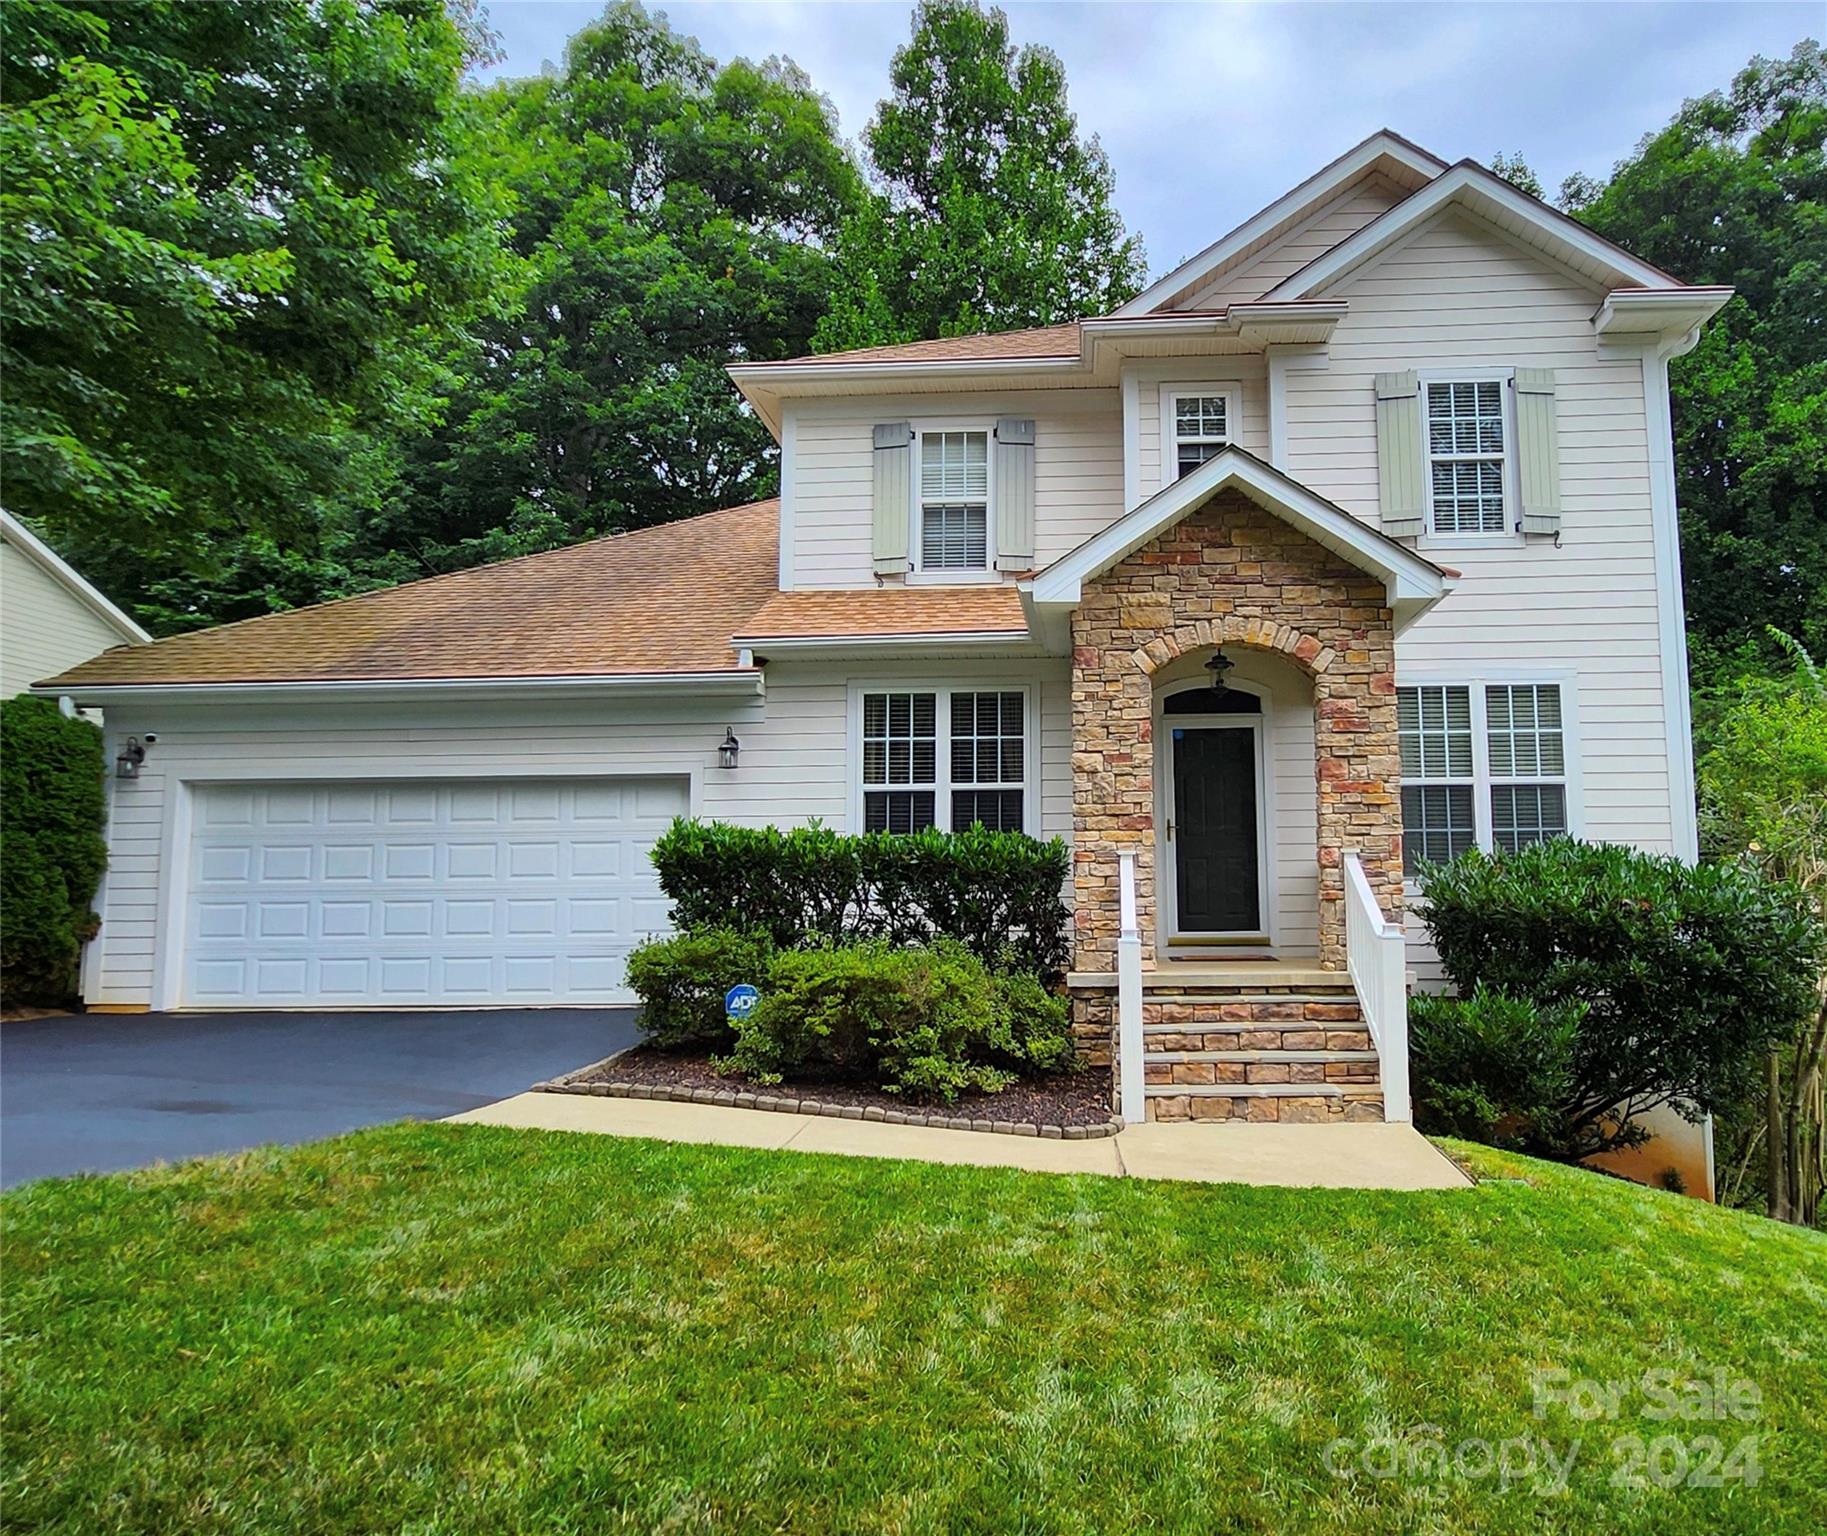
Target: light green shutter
x=1538, y=451
x=893, y=496
x=1399, y=458
x=1014, y=495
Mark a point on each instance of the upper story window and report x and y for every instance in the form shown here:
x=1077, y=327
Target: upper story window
x=1467, y=456
x=1199, y=420
x=954, y=501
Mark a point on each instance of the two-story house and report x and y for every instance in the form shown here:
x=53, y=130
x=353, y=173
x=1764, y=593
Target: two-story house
x=1351, y=542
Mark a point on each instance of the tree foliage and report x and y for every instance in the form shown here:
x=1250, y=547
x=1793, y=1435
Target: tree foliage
x=1764, y=802
x=670, y=217
x=229, y=231
x=1734, y=190
x=991, y=212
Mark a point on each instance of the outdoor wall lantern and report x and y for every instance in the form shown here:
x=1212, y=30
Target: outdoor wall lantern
x=727, y=749
x=127, y=765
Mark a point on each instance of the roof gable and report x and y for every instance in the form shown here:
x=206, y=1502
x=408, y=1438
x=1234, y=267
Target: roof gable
x=69, y=578
x=1414, y=583
x=1386, y=154
x=1525, y=220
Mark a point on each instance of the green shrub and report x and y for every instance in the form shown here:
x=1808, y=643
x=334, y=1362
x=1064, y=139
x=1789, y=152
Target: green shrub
x=53, y=807
x=1687, y=974
x=682, y=981
x=928, y=1021
x=997, y=893
x=1493, y=1068
x=1031, y=1029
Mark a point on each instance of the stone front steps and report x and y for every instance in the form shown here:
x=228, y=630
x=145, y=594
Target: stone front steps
x=1213, y=1051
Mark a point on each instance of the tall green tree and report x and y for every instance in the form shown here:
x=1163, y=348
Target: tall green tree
x=671, y=217
x=230, y=236
x=991, y=212
x=1734, y=191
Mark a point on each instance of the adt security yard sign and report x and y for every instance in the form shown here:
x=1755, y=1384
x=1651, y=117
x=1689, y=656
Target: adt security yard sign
x=739, y=1002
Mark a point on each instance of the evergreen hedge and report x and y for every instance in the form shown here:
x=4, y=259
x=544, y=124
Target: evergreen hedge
x=999, y=894
x=52, y=853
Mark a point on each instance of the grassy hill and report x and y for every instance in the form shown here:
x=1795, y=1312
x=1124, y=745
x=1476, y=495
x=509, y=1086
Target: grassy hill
x=474, y=1329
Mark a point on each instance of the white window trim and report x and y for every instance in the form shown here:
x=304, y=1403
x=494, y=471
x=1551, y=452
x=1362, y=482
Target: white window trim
x=1232, y=392
x=917, y=574
x=1512, y=485
x=943, y=785
x=1476, y=682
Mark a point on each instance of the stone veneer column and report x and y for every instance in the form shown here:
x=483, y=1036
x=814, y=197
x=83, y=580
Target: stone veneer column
x=1231, y=574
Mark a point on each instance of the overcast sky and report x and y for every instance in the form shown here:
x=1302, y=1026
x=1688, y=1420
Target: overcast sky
x=1210, y=111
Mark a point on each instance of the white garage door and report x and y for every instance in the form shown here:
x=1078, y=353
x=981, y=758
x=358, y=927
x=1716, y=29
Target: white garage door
x=514, y=891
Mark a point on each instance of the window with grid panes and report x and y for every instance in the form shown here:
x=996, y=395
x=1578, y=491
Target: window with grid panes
x=954, y=501
x=900, y=761
x=963, y=750
x=988, y=760
x=1466, y=439
x=1434, y=731
x=1526, y=752
x=1201, y=428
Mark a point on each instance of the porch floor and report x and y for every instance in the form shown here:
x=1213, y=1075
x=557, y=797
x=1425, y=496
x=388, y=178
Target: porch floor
x=1345, y=1156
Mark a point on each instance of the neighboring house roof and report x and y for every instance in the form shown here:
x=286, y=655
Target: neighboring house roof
x=887, y=613
x=661, y=600
x=1040, y=341
x=60, y=570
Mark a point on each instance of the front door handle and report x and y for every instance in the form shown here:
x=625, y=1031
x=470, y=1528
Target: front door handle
x=1170, y=829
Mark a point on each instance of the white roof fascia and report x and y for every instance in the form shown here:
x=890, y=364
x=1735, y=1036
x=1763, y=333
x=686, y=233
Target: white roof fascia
x=1413, y=583
x=1648, y=316
x=1315, y=189
x=400, y=690
x=60, y=570
x=1454, y=185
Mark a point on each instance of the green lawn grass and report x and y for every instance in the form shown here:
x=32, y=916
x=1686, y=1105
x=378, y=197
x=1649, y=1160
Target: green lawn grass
x=433, y=1328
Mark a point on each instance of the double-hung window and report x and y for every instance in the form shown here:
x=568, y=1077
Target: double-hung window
x=954, y=501
x=1199, y=422
x=1483, y=765
x=944, y=757
x=1467, y=456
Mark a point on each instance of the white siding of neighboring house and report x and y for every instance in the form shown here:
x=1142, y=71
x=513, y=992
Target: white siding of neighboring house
x=794, y=767
x=1078, y=471
x=1458, y=294
x=44, y=628
x=1336, y=220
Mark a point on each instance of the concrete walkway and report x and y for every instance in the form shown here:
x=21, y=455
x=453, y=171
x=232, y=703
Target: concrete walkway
x=1330, y=1156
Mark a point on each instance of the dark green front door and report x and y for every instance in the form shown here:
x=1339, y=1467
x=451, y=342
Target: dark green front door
x=1214, y=818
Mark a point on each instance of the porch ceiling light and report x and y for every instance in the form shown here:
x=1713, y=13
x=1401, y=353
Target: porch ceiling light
x=1218, y=666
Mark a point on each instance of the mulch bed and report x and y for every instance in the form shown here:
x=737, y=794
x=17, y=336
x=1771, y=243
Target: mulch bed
x=1073, y=1104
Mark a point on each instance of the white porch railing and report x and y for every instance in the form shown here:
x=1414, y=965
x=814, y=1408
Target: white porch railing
x=1129, y=996
x=1376, y=955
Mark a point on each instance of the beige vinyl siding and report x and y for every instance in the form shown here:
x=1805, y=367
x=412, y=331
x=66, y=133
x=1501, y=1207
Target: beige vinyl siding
x=1336, y=220
x=1078, y=471
x=44, y=629
x=1248, y=374
x=794, y=766
x=1459, y=294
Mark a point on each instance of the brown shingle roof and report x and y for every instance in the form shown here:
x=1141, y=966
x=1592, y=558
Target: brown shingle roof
x=889, y=611
x=1042, y=341
x=663, y=599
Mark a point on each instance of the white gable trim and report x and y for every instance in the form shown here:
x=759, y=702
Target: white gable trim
x=1473, y=185
x=1414, y=584
x=62, y=572
x=1317, y=188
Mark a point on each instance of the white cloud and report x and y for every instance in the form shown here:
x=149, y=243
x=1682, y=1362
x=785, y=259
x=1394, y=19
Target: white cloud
x=1210, y=111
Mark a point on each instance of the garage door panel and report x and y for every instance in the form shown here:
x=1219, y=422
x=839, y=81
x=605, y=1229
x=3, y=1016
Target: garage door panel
x=422, y=894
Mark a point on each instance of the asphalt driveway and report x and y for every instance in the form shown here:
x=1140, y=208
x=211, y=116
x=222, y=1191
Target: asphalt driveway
x=100, y=1092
